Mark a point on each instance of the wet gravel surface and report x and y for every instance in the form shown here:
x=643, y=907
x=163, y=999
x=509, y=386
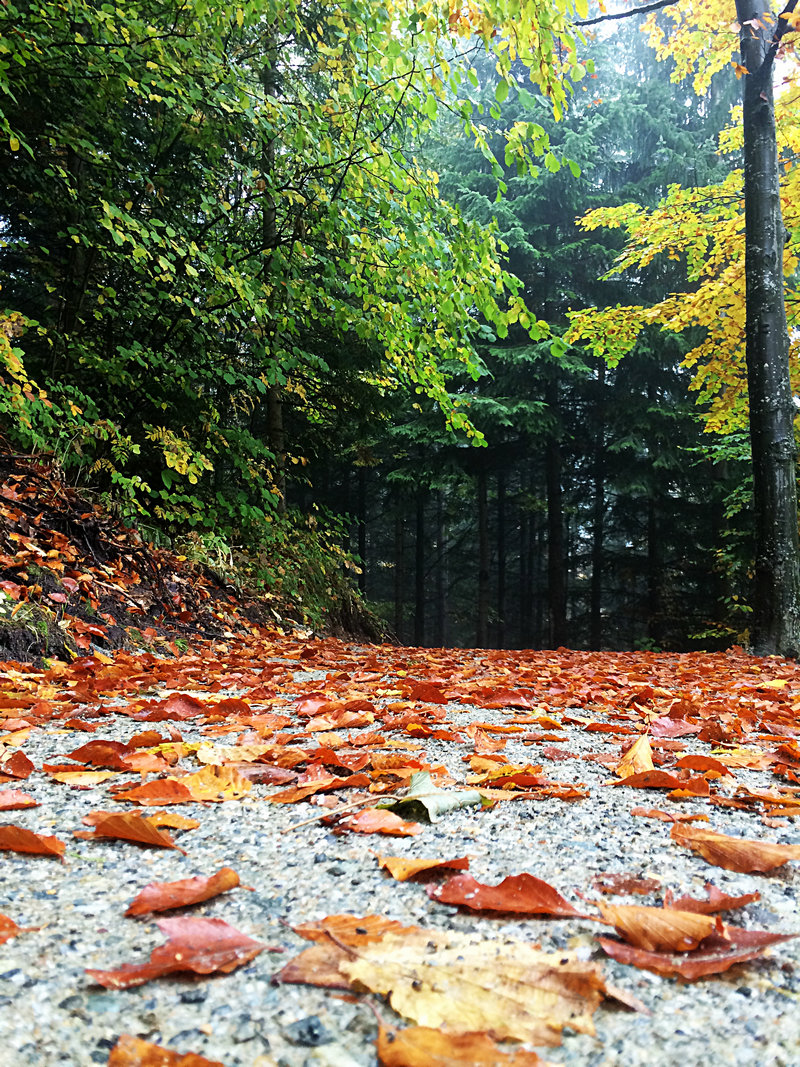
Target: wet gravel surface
x=51, y=1012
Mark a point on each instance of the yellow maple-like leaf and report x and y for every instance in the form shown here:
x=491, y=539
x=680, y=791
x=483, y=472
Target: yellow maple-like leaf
x=638, y=758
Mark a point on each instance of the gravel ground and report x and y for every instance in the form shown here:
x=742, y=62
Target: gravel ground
x=51, y=1013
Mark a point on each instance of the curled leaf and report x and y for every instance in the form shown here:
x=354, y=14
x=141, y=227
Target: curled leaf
x=734, y=853
x=163, y=896
x=521, y=893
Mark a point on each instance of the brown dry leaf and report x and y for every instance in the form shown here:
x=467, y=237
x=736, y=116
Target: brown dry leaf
x=637, y=759
x=350, y=930
x=127, y=826
x=713, y=955
x=714, y=902
x=16, y=839
x=660, y=929
x=521, y=893
x=17, y=766
x=422, y=1046
x=613, y=883
x=651, y=780
x=164, y=791
x=198, y=945
x=463, y=982
x=132, y=1051
x=163, y=896
x=734, y=853
x=13, y=799
x=401, y=869
x=666, y=816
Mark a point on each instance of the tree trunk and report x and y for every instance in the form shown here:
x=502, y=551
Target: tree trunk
x=776, y=604
x=556, y=585
x=362, y=528
x=501, y=560
x=441, y=573
x=482, y=625
x=598, y=518
x=399, y=574
x=419, y=575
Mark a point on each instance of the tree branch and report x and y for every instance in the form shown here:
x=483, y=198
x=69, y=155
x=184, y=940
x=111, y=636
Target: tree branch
x=627, y=14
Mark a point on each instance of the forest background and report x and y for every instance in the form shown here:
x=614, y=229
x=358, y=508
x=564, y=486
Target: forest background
x=446, y=300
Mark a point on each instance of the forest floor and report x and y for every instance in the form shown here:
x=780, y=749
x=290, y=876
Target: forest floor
x=241, y=843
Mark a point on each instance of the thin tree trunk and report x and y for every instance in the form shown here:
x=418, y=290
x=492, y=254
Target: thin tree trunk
x=501, y=560
x=362, y=528
x=419, y=575
x=441, y=574
x=482, y=624
x=654, y=566
x=598, y=517
x=776, y=604
x=399, y=574
x=556, y=585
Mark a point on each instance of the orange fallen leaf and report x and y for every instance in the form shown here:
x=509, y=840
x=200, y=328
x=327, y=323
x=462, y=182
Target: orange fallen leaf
x=734, y=853
x=521, y=893
x=132, y=1051
x=171, y=819
x=660, y=929
x=401, y=869
x=12, y=799
x=9, y=929
x=198, y=945
x=666, y=816
x=17, y=839
x=163, y=791
x=624, y=883
x=651, y=780
x=81, y=778
x=423, y=1046
x=380, y=821
x=16, y=766
x=127, y=826
x=637, y=759
x=163, y=896
x=713, y=955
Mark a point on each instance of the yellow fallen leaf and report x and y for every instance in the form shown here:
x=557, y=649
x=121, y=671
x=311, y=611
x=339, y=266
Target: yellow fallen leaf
x=638, y=758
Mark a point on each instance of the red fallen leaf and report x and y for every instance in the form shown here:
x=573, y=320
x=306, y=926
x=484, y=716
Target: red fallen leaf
x=310, y=704
x=713, y=955
x=17, y=766
x=15, y=798
x=16, y=839
x=506, y=698
x=422, y=1046
x=132, y=1051
x=715, y=901
x=651, y=780
x=199, y=945
x=9, y=929
x=425, y=691
x=704, y=763
x=521, y=893
x=625, y=883
x=418, y=729
x=100, y=753
x=665, y=816
x=734, y=853
x=401, y=869
x=379, y=821
x=126, y=826
x=162, y=896
x=692, y=787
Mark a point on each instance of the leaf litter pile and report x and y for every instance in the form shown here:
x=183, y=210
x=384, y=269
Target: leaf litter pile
x=558, y=843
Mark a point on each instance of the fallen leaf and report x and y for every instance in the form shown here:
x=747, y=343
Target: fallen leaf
x=163, y=791
x=16, y=766
x=660, y=929
x=713, y=955
x=651, y=780
x=714, y=902
x=163, y=896
x=401, y=869
x=666, y=816
x=380, y=821
x=521, y=893
x=132, y=1051
x=17, y=839
x=198, y=945
x=11, y=799
x=637, y=759
x=734, y=853
x=9, y=929
x=422, y=1046
x=127, y=826
x=624, y=883
x=426, y=801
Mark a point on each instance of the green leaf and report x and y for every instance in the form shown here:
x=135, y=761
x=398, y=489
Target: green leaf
x=501, y=92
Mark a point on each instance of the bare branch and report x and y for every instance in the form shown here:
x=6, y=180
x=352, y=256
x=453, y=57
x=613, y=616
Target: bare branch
x=627, y=14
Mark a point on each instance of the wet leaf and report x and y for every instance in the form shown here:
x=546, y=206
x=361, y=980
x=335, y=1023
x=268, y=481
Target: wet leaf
x=734, y=853
x=163, y=896
x=521, y=893
x=202, y=946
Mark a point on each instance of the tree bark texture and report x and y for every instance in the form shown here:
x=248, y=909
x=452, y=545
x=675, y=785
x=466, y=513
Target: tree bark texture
x=776, y=605
x=482, y=626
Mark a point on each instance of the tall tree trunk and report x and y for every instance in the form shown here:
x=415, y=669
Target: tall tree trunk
x=654, y=576
x=362, y=528
x=501, y=560
x=776, y=605
x=482, y=623
x=598, y=517
x=419, y=573
x=441, y=574
x=399, y=574
x=556, y=585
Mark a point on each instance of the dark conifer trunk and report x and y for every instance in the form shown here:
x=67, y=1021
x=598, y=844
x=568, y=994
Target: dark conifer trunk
x=598, y=518
x=501, y=560
x=776, y=606
x=399, y=573
x=419, y=573
x=556, y=585
x=482, y=626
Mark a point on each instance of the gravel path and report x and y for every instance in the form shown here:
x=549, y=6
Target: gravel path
x=51, y=1013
